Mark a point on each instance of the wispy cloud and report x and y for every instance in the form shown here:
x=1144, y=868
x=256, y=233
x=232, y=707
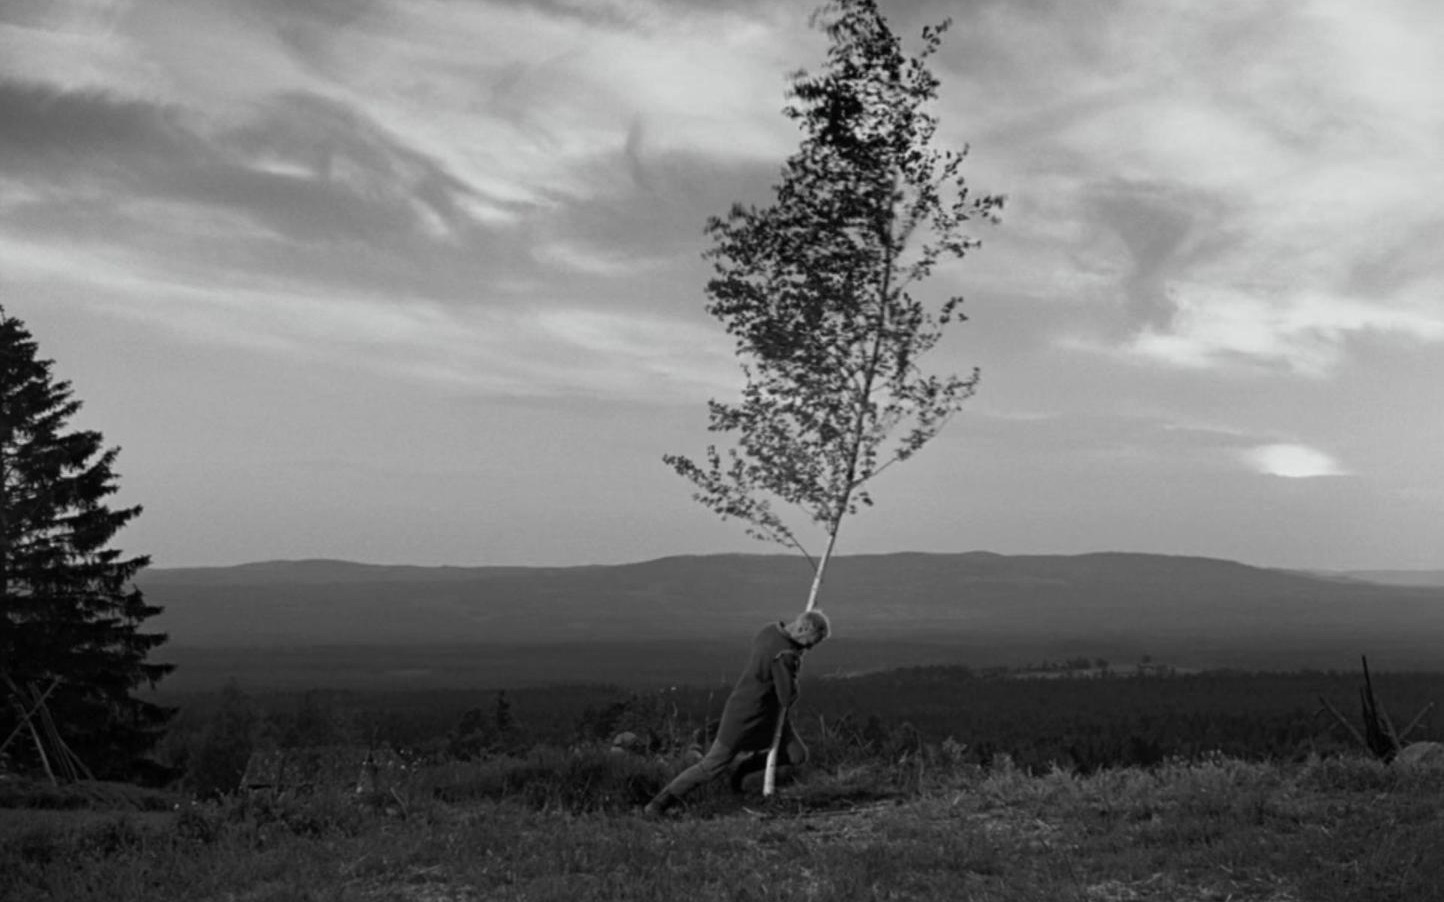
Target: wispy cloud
x=1264, y=172
x=1303, y=334
x=535, y=351
x=592, y=261
x=1224, y=186
x=493, y=158
x=511, y=98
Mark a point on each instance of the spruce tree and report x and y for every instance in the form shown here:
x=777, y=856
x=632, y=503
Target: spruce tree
x=70, y=615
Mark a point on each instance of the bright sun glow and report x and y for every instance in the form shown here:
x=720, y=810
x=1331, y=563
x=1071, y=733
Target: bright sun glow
x=1292, y=461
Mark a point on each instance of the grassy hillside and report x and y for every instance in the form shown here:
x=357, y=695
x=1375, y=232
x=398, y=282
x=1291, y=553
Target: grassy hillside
x=1335, y=830
x=930, y=783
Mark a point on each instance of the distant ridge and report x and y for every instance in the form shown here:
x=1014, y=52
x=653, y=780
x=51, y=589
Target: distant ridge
x=319, y=571
x=1202, y=609
x=1399, y=577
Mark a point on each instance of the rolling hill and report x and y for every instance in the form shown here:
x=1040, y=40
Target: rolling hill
x=986, y=608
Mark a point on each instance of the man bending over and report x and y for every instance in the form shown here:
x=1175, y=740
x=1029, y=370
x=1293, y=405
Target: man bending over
x=763, y=694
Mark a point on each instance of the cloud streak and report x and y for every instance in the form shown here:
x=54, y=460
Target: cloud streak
x=496, y=156
x=1264, y=172
x=1222, y=189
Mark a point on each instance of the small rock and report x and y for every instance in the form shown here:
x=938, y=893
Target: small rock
x=627, y=742
x=1417, y=755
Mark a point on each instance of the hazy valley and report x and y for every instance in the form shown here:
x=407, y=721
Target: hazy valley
x=689, y=618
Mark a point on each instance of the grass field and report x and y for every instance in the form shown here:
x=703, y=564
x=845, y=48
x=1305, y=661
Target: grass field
x=566, y=827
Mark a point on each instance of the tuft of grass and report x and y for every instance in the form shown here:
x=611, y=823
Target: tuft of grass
x=18, y=792
x=548, y=779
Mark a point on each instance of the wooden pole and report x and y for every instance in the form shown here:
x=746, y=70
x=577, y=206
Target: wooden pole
x=769, y=776
x=1415, y=722
x=1344, y=722
x=40, y=750
x=1384, y=741
x=70, y=763
x=25, y=715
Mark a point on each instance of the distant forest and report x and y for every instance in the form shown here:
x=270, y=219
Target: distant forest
x=1077, y=723
x=660, y=664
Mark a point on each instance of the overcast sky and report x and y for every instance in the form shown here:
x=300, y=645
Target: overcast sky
x=419, y=281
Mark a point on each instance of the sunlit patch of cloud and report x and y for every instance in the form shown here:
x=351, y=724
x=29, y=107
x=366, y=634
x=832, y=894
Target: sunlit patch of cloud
x=1303, y=334
x=1292, y=461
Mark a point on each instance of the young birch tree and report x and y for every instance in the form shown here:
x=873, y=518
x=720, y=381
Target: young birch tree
x=817, y=290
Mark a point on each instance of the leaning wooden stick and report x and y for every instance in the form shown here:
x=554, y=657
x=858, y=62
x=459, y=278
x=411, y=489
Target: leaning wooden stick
x=769, y=777
x=15, y=701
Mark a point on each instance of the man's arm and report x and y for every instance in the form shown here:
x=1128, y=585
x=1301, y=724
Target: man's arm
x=785, y=667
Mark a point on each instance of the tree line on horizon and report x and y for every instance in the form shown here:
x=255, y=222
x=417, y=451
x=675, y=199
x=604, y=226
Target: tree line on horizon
x=985, y=717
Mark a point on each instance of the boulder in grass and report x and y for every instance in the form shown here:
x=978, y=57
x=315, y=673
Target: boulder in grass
x=1420, y=756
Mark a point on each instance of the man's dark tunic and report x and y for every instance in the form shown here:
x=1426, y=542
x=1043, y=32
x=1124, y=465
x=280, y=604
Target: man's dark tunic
x=765, y=690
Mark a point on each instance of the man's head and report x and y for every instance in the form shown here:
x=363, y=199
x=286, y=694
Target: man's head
x=810, y=628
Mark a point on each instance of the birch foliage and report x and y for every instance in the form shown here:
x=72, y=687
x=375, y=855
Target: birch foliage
x=817, y=291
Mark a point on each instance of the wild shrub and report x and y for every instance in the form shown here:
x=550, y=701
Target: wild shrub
x=217, y=758
x=1349, y=773
x=482, y=731
x=264, y=819
x=110, y=837
x=655, y=718
x=199, y=823
x=1362, y=773
x=849, y=741
x=550, y=778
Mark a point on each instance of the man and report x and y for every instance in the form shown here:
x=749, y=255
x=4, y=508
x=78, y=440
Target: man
x=762, y=696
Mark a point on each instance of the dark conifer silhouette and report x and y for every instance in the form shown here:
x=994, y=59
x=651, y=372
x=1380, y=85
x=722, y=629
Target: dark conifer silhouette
x=70, y=616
